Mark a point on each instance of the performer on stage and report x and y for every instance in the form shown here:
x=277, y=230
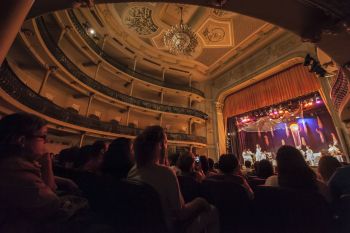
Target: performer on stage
x=335, y=152
x=301, y=150
x=310, y=156
x=247, y=156
x=258, y=153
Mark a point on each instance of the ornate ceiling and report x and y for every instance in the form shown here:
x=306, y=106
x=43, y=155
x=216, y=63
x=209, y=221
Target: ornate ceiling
x=224, y=38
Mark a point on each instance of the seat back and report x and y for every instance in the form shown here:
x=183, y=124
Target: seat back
x=189, y=187
x=232, y=201
x=284, y=210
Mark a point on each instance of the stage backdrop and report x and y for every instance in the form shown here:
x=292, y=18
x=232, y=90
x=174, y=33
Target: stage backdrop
x=316, y=130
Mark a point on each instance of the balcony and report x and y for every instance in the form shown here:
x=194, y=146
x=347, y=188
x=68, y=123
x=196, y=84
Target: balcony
x=141, y=76
x=81, y=76
x=14, y=87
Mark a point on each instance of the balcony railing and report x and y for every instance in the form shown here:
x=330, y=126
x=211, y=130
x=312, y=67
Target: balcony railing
x=81, y=76
x=122, y=67
x=14, y=87
x=340, y=89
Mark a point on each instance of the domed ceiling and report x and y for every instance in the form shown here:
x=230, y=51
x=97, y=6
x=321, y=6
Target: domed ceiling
x=224, y=38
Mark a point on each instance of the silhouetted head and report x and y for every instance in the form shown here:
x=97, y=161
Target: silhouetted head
x=119, y=158
x=23, y=134
x=327, y=166
x=151, y=146
x=265, y=169
x=293, y=171
x=186, y=162
x=228, y=163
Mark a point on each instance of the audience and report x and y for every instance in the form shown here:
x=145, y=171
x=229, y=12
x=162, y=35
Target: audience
x=293, y=172
x=150, y=147
x=229, y=167
x=118, y=159
x=211, y=166
x=173, y=158
x=265, y=169
x=27, y=183
x=186, y=165
x=339, y=182
x=28, y=186
x=327, y=166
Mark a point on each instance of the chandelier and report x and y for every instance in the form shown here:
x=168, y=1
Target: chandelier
x=180, y=39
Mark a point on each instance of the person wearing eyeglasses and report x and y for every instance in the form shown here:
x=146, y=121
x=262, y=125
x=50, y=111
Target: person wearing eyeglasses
x=27, y=183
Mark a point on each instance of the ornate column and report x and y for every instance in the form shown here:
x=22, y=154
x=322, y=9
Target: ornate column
x=89, y=104
x=49, y=70
x=99, y=63
x=127, y=116
x=163, y=73
x=161, y=97
x=13, y=14
x=190, y=102
x=81, y=140
x=131, y=87
x=63, y=32
x=105, y=37
x=135, y=63
x=221, y=145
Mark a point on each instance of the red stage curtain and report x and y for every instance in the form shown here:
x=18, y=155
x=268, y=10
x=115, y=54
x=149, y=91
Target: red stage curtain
x=288, y=84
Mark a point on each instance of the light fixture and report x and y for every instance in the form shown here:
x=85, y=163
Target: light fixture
x=180, y=39
x=91, y=31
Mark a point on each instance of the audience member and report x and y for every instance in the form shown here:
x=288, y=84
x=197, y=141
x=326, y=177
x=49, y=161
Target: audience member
x=265, y=169
x=173, y=158
x=67, y=156
x=27, y=184
x=248, y=171
x=186, y=166
x=327, y=166
x=229, y=167
x=293, y=172
x=118, y=159
x=211, y=166
x=203, y=160
x=339, y=182
x=150, y=147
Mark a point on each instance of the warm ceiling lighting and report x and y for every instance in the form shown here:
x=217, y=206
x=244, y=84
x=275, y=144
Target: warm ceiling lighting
x=180, y=39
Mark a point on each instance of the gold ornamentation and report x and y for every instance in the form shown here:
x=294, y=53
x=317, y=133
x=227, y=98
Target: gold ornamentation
x=214, y=34
x=180, y=39
x=140, y=20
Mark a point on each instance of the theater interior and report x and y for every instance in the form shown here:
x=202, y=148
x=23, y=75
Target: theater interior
x=238, y=77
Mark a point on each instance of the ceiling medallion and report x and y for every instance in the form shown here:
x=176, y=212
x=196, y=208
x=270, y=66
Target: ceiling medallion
x=180, y=39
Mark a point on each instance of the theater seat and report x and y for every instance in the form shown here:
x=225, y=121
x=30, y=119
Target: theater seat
x=254, y=182
x=189, y=187
x=130, y=207
x=232, y=201
x=286, y=211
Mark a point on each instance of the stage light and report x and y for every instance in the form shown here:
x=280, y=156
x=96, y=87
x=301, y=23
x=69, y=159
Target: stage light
x=294, y=127
x=318, y=100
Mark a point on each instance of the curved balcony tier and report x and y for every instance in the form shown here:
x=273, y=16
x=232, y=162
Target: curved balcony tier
x=15, y=88
x=145, y=77
x=95, y=85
